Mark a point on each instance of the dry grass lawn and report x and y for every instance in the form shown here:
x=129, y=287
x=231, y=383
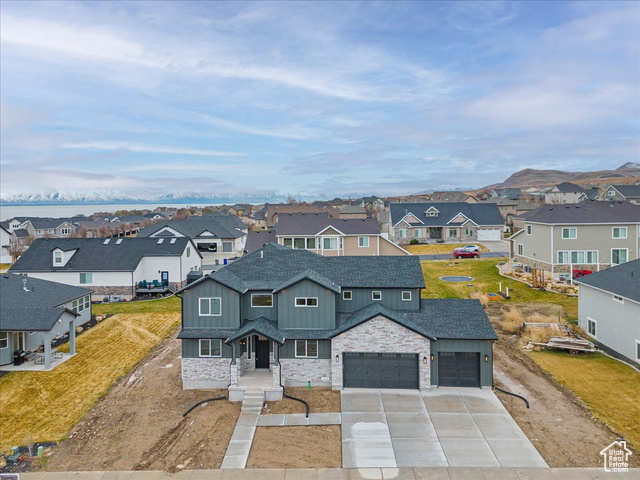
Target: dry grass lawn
x=609, y=388
x=44, y=406
x=439, y=248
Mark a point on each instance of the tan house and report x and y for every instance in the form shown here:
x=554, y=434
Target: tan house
x=588, y=235
x=327, y=236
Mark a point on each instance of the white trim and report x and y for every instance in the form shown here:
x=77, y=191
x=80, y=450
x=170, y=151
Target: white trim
x=456, y=215
x=405, y=216
x=619, y=228
x=373, y=295
x=363, y=238
x=306, y=349
x=209, y=314
x=569, y=231
x=350, y=292
x=605, y=291
x=327, y=227
x=306, y=300
x=470, y=220
x=406, y=299
x=262, y=295
x=210, y=340
x=595, y=327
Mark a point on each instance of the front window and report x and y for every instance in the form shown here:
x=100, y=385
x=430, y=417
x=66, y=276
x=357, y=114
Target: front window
x=311, y=243
x=4, y=340
x=52, y=230
x=591, y=326
x=306, y=348
x=577, y=257
x=87, y=301
x=406, y=296
x=618, y=256
x=363, y=241
x=402, y=233
x=227, y=247
x=210, y=348
x=347, y=295
x=417, y=233
x=64, y=231
x=288, y=242
x=453, y=233
x=86, y=278
x=261, y=300
x=299, y=243
x=210, y=307
x=330, y=243
x=619, y=232
x=563, y=256
x=592, y=256
x=569, y=233
x=57, y=257
x=306, y=301
x=376, y=295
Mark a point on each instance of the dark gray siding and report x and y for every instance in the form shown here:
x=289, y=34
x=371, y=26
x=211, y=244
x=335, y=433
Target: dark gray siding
x=391, y=297
x=323, y=316
x=484, y=347
x=190, y=349
x=251, y=313
x=288, y=350
x=230, y=317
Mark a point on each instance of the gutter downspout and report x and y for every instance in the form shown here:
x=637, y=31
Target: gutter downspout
x=552, y=254
x=133, y=292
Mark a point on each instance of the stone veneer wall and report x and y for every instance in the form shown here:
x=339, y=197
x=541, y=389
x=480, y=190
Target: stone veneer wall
x=100, y=292
x=380, y=335
x=245, y=364
x=297, y=372
x=205, y=372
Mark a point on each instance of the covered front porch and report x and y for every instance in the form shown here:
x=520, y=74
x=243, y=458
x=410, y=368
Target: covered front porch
x=255, y=362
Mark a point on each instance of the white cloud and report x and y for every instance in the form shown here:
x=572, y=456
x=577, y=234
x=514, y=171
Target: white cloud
x=138, y=147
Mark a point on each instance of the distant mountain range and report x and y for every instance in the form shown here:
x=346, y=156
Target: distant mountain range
x=531, y=177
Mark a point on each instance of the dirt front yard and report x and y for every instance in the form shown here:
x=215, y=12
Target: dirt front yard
x=138, y=425
x=320, y=400
x=558, y=423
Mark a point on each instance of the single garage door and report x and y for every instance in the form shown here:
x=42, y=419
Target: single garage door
x=489, y=234
x=380, y=370
x=458, y=369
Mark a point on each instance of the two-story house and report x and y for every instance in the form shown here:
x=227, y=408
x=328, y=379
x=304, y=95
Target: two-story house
x=5, y=249
x=448, y=222
x=565, y=192
x=588, y=235
x=630, y=193
x=609, y=309
x=112, y=267
x=34, y=312
x=324, y=235
x=298, y=318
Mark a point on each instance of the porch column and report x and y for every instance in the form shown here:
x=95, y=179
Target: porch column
x=47, y=351
x=233, y=353
x=72, y=337
x=276, y=354
x=276, y=365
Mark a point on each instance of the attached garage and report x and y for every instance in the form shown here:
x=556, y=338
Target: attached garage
x=489, y=234
x=380, y=370
x=459, y=369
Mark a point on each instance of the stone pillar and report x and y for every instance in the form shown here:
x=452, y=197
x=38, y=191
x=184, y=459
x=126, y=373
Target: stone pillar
x=233, y=380
x=72, y=337
x=276, y=375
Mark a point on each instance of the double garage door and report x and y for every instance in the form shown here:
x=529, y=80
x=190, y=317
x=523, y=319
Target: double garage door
x=401, y=370
x=380, y=370
x=489, y=234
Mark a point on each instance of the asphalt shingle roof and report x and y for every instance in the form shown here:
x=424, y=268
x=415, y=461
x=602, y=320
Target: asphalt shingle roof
x=483, y=214
x=219, y=225
x=309, y=275
x=568, y=187
x=261, y=326
x=30, y=319
x=622, y=280
x=93, y=255
x=588, y=211
x=314, y=223
x=629, y=191
x=258, y=238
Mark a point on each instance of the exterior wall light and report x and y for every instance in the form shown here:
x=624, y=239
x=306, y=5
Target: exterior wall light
x=486, y=358
x=432, y=357
x=424, y=360
x=337, y=358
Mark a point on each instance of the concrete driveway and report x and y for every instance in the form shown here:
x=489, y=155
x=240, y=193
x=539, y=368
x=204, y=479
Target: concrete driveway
x=445, y=427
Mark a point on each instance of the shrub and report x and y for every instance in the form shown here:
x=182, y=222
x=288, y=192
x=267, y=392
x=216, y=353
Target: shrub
x=540, y=334
x=414, y=241
x=512, y=320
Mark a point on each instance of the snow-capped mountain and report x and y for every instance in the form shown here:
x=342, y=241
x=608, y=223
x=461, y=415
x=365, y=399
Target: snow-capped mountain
x=69, y=197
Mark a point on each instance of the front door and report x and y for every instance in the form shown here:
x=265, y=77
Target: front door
x=18, y=341
x=262, y=353
x=165, y=278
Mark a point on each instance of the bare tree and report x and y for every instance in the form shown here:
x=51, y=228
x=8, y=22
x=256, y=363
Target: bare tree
x=15, y=249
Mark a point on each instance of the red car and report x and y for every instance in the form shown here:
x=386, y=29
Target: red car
x=468, y=251
x=577, y=273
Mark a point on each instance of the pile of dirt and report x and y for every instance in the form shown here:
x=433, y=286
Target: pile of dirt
x=320, y=400
x=296, y=447
x=139, y=423
x=558, y=423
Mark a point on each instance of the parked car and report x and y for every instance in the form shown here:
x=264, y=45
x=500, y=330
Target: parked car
x=467, y=251
x=577, y=273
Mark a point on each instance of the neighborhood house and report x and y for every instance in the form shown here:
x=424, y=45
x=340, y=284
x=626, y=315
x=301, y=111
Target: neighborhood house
x=296, y=317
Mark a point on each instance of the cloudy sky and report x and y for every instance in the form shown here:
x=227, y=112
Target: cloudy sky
x=313, y=97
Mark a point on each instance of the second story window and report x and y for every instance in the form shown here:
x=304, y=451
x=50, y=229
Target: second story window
x=57, y=258
x=210, y=306
x=347, y=295
x=261, y=300
x=529, y=229
x=619, y=232
x=569, y=233
x=363, y=241
x=306, y=302
x=406, y=296
x=86, y=278
x=376, y=295
x=65, y=231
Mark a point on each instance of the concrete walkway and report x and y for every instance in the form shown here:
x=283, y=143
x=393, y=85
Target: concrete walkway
x=445, y=427
x=346, y=474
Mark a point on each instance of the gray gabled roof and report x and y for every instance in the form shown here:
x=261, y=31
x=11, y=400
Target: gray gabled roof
x=31, y=319
x=272, y=265
x=587, y=211
x=568, y=187
x=21, y=232
x=483, y=214
x=628, y=191
x=258, y=238
x=219, y=225
x=311, y=275
x=314, y=223
x=93, y=255
x=260, y=326
x=622, y=280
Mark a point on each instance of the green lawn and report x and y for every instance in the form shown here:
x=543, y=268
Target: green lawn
x=610, y=389
x=163, y=305
x=486, y=278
